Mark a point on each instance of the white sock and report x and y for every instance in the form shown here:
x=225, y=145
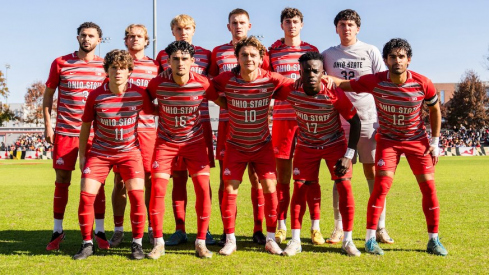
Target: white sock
x=296, y=234
x=338, y=224
x=381, y=223
x=119, y=228
x=138, y=241
x=99, y=225
x=231, y=237
x=282, y=225
x=370, y=234
x=58, y=226
x=199, y=241
x=89, y=241
x=159, y=241
x=315, y=225
x=271, y=236
x=432, y=235
x=347, y=236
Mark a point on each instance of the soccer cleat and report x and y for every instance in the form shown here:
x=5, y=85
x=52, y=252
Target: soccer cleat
x=85, y=251
x=273, y=248
x=202, y=252
x=259, y=238
x=293, y=247
x=280, y=235
x=372, y=247
x=349, y=248
x=317, y=237
x=177, y=238
x=336, y=236
x=435, y=247
x=116, y=239
x=56, y=239
x=150, y=237
x=222, y=241
x=229, y=248
x=137, y=252
x=102, y=242
x=157, y=252
x=209, y=240
x=383, y=236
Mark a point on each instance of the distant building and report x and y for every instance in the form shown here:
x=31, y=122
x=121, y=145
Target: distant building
x=446, y=90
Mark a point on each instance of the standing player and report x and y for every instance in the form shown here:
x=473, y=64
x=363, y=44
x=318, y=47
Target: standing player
x=224, y=60
x=350, y=60
x=320, y=136
x=248, y=90
x=284, y=54
x=399, y=95
x=114, y=109
x=183, y=29
x=136, y=40
x=74, y=75
x=180, y=135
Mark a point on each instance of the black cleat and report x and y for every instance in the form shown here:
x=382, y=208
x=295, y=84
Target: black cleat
x=259, y=238
x=86, y=250
x=56, y=239
x=137, y=252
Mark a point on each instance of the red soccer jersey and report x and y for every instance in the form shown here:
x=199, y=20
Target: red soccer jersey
x=144, y=70
x=318, y=116
x=285, y=61
x=115, y=118
x=248, y=104
x=178, y=107
x=399, y=106
x=75, y=79
x=224, y=60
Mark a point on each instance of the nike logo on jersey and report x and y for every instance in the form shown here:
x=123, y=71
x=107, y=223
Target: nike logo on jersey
x=105, y=110
x=384, y=96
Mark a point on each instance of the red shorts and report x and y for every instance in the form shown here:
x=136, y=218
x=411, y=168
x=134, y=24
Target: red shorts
x=97, y=167
x=388, y=154
x=179, y=164
x=222, y=132
x=147, y=141
x=194, y=156
x=307, y=161
x=283, y=138
x=235, y=162
x=65, y=152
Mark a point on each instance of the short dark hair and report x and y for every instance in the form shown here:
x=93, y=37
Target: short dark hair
x=291, y=13
x=397, y=43
x=88, y=25
x=120, y=59
x=348, y=14
x=311, y=56
x=183, y=46
x=238, y=11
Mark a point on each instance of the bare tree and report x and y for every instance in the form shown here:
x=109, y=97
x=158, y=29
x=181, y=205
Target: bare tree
x=33, y=101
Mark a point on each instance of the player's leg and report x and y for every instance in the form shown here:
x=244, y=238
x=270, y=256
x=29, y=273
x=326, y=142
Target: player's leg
x=146, y=145
x=208, y=137
x=179, y=202
x=119, y=201
x=297, y=210
x=258, y=203
x=220, y=153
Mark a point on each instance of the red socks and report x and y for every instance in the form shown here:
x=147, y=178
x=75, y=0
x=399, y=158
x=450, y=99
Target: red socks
x=431, y=208
x=157, y=205
x=60, y=199
x=347, y=204
x=271, y=203
x=314, y=200
x=202, y=204
x=179, y=199
x=298, y=204
x=258, y=201
x=283, y=195
x=377, y=200
x=138, y=212
x=100, y=203
x=228, y=212
x=86, y=214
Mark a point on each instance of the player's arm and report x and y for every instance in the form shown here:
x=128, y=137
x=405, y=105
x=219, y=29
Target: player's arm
x=47, y=106
x=435, y=122
x=84, y=134
x=212, y=94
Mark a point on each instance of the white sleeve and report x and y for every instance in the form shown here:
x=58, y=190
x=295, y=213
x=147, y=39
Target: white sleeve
x=377, y=60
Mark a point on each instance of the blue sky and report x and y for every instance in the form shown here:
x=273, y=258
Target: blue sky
x=448, y=37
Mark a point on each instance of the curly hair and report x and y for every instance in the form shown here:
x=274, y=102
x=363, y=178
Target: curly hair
x=141, y=26
x=291, y=13
x=118, y=59
x=397, y=43
x=88, y=25
x=311, y=56
x=182, y=46
x=348, y=14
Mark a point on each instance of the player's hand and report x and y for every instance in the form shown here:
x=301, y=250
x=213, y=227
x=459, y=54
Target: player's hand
x=329, y=82
x=166, y=73
x=49, y=135
x=434, y=151
x=81, y=162
x=342, y=166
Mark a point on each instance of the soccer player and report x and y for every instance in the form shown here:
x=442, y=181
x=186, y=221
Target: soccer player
x=180, y=135
x=114, y=109
x=399, y=94
x=248, y=90
x=183, y=29
x=224, y=60
x=136, y=40
x=75, y=75
x=350, y=60
x=284, y=54
x=320, y=136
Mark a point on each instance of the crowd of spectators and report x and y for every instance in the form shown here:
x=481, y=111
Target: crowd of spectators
x=28, y=142
x=464, y=137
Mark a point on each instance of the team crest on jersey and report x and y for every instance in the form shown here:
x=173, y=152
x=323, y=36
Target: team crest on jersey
x=155, y=165
x=381, y=162
x=414, y=98
x=297, y=171
x=60, y=161
x=195, y=97
x=87, y=170
x=264, y=90
x=226, y=172
x=133, y=108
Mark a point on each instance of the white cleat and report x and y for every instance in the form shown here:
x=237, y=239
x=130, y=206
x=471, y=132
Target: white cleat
x=293, y=247
x=273, y=248
x=229, y=248
x=349, y=248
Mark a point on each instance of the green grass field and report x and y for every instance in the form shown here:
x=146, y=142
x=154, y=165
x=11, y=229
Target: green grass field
x=462, y=182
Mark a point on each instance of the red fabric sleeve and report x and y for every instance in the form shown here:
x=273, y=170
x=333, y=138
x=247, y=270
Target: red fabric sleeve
x=280, y=82
x=148, y=106
x=213, y=68
x=210, y=92
x=364, y=84
x=89, y=112
x=343, y=104
x=153, y=86
x=158, y=60
x=53, y=79
x=429, y=89
x=219, y=82
x=266, y=62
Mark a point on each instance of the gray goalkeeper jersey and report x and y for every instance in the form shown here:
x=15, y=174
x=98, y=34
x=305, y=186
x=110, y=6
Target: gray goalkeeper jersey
x=350, y=63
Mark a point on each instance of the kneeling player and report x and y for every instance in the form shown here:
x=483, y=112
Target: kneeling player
x=322, y=137
x=114, y=109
